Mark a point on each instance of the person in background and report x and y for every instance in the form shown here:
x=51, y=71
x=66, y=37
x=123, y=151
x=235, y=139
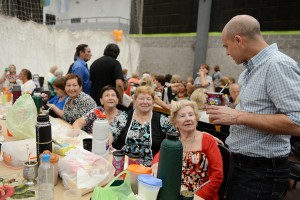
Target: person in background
x=141, y=130
x=182, y=91
x=57, y=74
x=80, y=67
x=168, y=78
x=26, y=82
x=107, y=70
x=223, y=86
x=78, y=103
x=109, y=100
x=124, y=72
x=56, y=104
x=232, y=80
x=10, y=78
x=203, y=80
x=201, y=160
x=268, y=113
x=133, y=82
x=216, y=76
x=48, y=77
x=200, y=98
x=234, y=91
x=160, y=84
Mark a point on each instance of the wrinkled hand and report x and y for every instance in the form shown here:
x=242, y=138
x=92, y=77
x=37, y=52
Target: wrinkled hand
x=222, y=115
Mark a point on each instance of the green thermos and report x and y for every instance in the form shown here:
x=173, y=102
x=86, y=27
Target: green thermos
x=170, y=167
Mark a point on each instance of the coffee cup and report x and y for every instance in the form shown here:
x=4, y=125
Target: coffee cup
x=214, y=98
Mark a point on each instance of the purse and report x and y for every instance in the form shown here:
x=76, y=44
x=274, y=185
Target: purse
x=115, y=190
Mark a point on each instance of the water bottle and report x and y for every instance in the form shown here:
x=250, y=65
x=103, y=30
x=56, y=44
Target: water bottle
x=46, y=179
x=101, y=130
x=43, y=134
x=170, y=167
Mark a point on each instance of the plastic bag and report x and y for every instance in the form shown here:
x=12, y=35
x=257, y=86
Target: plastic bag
x=21, y=118
x=111, y=192
x=84, y=170
x=15, y=153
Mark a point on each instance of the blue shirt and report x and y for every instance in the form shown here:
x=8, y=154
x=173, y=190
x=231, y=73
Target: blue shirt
x=61, y=104
x=269, y=85
x=80, y=68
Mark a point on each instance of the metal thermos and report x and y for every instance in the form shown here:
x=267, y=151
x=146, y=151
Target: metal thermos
x=43, y=134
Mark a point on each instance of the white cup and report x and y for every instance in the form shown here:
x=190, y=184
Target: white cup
x=148, y=186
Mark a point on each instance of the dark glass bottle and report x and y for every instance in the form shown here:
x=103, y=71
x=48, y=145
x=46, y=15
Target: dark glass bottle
x=170, y=167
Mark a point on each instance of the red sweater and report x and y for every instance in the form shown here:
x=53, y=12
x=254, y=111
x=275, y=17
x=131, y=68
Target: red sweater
x=215, y=168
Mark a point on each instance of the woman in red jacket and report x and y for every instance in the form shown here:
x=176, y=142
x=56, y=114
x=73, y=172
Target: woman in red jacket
x=202, y=160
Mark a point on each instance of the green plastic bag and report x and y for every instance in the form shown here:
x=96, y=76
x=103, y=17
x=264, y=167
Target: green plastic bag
x=113, y=192
x=21, y=118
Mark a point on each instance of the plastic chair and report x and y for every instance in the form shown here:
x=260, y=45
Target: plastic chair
x=294, y=173
x=226, y=157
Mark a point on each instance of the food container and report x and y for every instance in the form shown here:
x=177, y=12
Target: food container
x=135, y=170
x=148, y=186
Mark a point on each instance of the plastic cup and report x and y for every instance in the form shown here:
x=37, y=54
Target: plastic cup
x=214, y=98
x=87, y=144
x=4, y=99
x=148, y=186
x=8, y=96
x=72, y=194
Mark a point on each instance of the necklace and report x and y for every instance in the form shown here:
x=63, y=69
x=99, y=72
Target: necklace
x=188, y=143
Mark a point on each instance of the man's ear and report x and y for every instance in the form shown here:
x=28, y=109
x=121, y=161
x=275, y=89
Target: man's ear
x=238, y=39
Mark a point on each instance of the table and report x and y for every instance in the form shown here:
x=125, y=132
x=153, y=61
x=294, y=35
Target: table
x=59, y=188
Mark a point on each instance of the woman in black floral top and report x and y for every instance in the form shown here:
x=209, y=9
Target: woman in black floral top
x=109, y=99
x=141, y=130
x=78, y=103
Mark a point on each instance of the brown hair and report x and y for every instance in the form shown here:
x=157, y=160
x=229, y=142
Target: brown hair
x=60, y=83
x=73, y=76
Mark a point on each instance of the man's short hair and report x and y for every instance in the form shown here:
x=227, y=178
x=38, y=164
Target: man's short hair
x=112, y=50
x=79, y=48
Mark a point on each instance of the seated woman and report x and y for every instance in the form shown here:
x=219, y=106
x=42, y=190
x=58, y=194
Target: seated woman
x=201, y=160
x=9, y=79
x=27, y=84
x=199, y=97
x=182, y=92
x=78, y=103
x=141, y=130
x=56, y=104
x=109, y=99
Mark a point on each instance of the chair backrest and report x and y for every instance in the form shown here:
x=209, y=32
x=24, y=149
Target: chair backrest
x=226, y=157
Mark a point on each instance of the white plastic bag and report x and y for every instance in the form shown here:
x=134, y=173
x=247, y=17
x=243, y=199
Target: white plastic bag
x=15, y=153
x=84, y=170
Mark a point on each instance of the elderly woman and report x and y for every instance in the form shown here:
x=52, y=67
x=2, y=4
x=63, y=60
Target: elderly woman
x=202, y=160
x=141, y=130
x=57, y=103
x=199, y=97
x=109, y=99
x=27, y=84
x=78, y=103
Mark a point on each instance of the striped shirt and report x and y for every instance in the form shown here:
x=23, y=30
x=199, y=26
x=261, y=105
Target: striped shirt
x=269, y=85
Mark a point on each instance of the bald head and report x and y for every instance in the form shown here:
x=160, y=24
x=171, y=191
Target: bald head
x=243, y=25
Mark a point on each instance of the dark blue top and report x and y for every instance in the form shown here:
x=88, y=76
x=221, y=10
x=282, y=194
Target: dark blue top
x=80, y=68
x=61, y=104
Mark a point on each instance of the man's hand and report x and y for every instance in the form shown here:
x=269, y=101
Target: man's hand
x=222, y=115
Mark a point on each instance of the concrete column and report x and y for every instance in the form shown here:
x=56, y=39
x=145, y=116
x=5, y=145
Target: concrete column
x=204, y=10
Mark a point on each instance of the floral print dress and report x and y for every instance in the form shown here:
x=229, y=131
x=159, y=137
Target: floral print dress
x=141, y=138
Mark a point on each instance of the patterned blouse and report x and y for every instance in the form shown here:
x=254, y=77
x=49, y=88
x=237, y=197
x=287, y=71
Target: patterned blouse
x=139, y=136
x=82, y=104
x=90, y=117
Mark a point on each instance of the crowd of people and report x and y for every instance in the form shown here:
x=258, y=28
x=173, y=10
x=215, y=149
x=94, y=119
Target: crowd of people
x=261, y=119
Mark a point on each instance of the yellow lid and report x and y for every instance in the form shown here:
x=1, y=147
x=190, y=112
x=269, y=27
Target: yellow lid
x=139, y=169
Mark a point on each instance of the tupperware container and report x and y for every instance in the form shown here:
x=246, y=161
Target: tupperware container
x=135, y=170
x=148, y=186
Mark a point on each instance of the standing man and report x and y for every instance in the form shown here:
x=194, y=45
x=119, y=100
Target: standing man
x=268, y=112
x=106, y=70
x=80, y=67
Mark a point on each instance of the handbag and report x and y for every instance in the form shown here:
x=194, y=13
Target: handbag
x=115, y=190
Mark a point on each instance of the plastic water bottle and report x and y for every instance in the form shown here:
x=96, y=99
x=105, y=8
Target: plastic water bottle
x=170, y=167
x=46, y=179
x=101, y=130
